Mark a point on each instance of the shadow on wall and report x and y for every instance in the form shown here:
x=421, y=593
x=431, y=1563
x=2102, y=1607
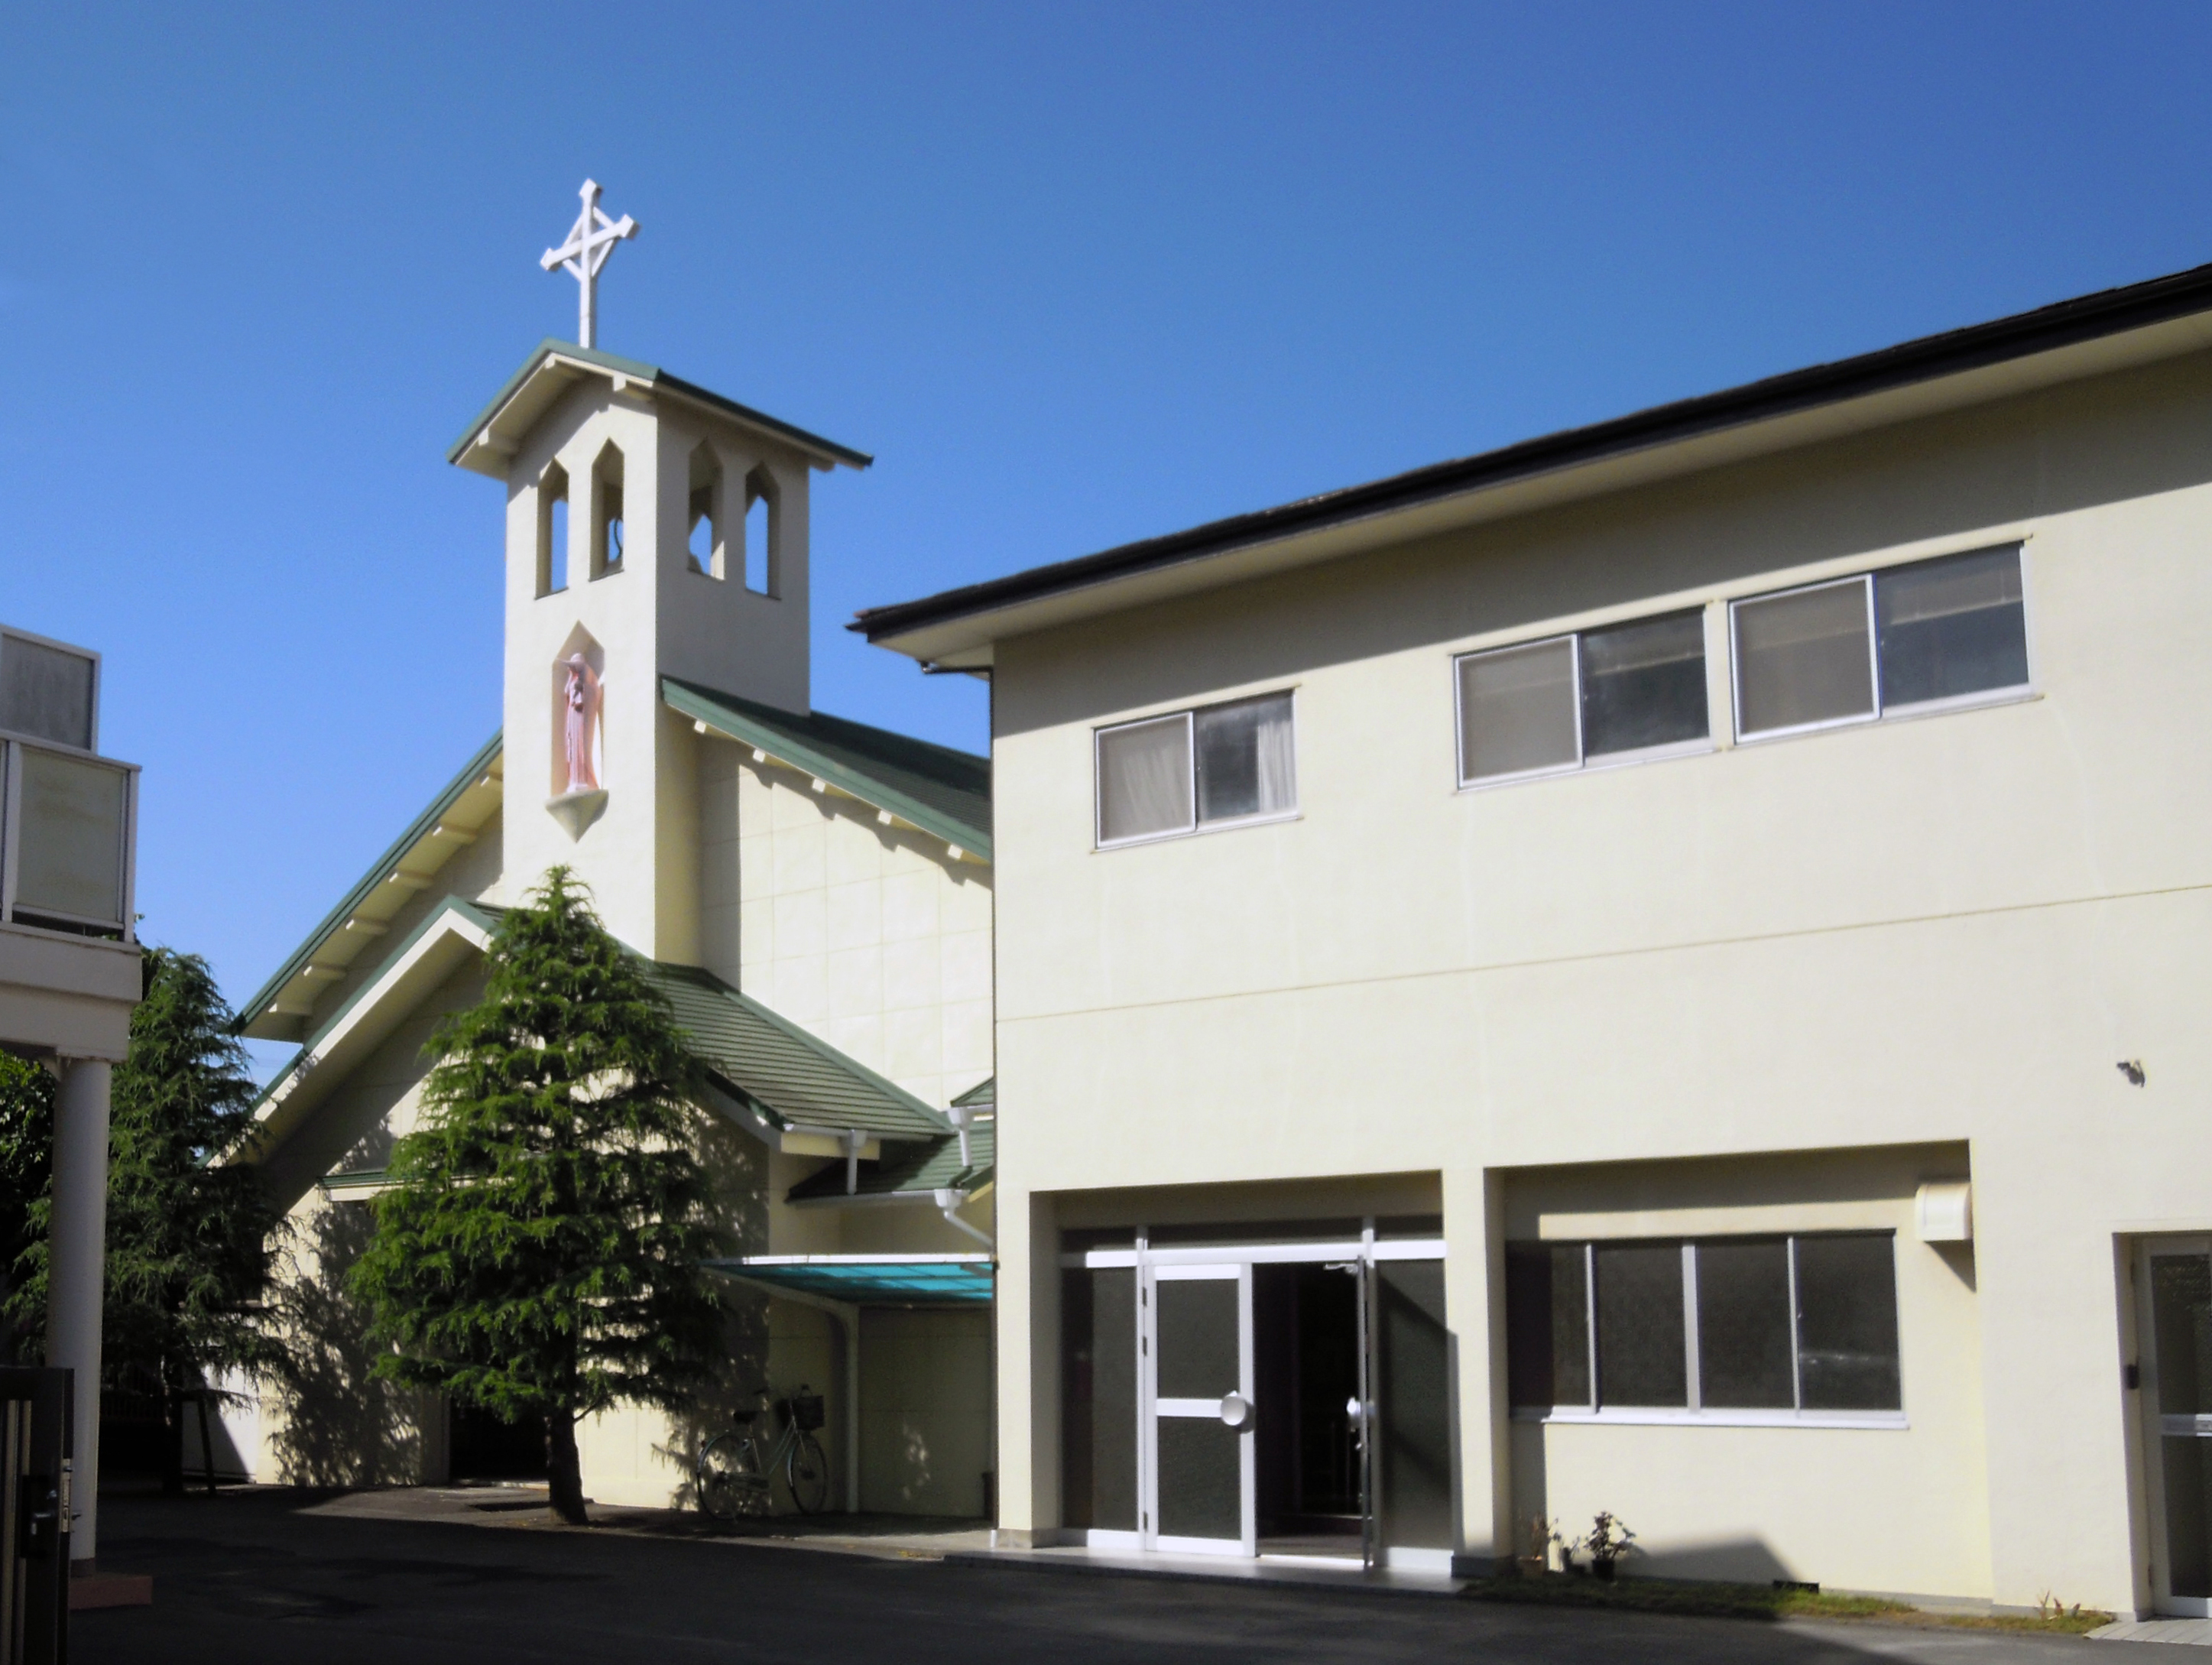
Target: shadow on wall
x=740, y=1166
x=341, y=1426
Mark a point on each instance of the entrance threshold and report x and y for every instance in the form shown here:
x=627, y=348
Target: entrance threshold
x=1305, y=1571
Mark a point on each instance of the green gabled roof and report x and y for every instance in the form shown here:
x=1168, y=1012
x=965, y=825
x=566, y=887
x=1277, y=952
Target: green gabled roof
x=983, y=1096
x=531, y=403
x=933, y=1167
x=797, y=1080
x=794, y=1079
x=946, y=794
x=381, y=869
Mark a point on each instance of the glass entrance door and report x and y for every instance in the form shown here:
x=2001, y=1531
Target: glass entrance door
x=2174, y=1284
x=1199, y=1466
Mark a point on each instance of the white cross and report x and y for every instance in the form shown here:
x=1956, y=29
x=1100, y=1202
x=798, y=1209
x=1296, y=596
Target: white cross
x=591, y=240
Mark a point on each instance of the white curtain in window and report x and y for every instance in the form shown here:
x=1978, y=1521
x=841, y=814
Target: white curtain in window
x=1278, y=758
x=1144, y=779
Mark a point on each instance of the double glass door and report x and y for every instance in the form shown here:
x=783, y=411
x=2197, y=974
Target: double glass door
x=1281, y=1398
x=1198, y=1474
x=2173, y=1283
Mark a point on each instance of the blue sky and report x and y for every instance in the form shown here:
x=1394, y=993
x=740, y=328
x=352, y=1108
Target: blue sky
x=1075, y=274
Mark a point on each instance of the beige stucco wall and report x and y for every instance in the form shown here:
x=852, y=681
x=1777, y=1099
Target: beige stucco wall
x=1940, y=929
x=871, y=937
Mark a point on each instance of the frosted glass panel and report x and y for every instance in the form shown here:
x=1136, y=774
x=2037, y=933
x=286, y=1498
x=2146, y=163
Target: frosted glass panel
x=46, y=692
x=71, y=858
x=1951, y=627
x=1803, y=658
x=1198, y=1338
x=1640, y=1348
x=1099, y=1387
x=1547, y=1325
x=1643, y=684
x=1743, y=1324
x=1847, y=1323
x=1202, y=1476
x=1144, y=779
x=1516, y=710
x=1246, y=759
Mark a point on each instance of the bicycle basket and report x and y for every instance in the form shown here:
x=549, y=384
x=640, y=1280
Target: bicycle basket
x=806, y=1411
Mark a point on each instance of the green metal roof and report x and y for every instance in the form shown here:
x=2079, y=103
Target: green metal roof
x=946, y=794
x=983, y=1096
x=910, y=1169
x=417, y=829
x=652, y=376
x=940, y=1280
x=792, y=1079
x=795, y=1079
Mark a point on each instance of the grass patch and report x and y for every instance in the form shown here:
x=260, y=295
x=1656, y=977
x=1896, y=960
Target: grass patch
x=1717, y=1601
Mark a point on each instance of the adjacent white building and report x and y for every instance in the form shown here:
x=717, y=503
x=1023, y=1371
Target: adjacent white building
x=69, y=975
x=1705, y=917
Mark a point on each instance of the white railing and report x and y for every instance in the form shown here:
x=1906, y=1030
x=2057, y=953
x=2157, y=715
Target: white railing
x=68, y=839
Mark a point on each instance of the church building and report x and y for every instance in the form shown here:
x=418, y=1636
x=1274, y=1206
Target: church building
x=813, y=895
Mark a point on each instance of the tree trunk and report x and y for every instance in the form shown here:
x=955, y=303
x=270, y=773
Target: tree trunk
x=172, y=1442
x=564, y=1474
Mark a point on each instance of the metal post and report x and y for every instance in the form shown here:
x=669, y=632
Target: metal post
x=79, y=1256
x=851, y=1316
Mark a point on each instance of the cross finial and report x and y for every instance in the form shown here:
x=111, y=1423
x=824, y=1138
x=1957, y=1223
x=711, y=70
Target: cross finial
x=591, y=240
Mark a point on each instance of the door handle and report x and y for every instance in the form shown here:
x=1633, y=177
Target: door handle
x=1236, y=1412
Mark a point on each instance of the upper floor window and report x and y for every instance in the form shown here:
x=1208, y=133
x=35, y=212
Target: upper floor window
x=1595, y=695
x=1217, y=765
x=1908, y=638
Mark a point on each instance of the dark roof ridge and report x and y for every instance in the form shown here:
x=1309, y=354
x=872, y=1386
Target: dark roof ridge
x=1974, y=346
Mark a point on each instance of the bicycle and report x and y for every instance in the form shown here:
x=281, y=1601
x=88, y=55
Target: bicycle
x=737, y=1467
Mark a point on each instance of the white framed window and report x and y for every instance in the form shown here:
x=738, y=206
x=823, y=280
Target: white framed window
x=1213, y=766
x=1613, y=695
x=1926, y=636
x=1782, y=1329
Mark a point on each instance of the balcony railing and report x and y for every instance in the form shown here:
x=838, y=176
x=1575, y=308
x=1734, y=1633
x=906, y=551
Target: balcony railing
x=67, y=838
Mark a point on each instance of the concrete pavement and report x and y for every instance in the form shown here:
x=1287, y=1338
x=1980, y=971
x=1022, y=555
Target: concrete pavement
x=272, y=1576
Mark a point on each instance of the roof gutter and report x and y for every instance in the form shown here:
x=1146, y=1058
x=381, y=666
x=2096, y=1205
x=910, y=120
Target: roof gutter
x=2067, y=324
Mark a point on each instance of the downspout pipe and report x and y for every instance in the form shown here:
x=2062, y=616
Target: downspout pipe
x=961, y=1116
x=948, y=1203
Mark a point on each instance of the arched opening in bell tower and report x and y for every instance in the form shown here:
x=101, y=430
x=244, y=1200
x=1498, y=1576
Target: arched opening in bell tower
x=607, y=511
x=764, y=532
x=553, y=531
x=704, y=543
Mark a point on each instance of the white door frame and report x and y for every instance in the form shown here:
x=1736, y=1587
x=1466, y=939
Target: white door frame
x=1152, y=1407
x=2156, y=1426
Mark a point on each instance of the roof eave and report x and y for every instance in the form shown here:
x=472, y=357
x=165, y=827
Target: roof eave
x=2113, y=330
x=478, y=769
x=716, y=717
x=490, y=441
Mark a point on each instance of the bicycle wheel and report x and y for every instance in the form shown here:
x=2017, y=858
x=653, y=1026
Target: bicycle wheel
x=806, y=1472
x=730, y=1479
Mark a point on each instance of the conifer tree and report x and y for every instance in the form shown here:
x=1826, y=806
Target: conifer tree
x=26, y=1163
x=537, y=1252
x=190, y=1239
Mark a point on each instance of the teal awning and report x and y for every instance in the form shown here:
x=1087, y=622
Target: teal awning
x=870, y=1280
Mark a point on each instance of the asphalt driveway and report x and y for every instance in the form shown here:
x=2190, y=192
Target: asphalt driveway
x=247, y=1578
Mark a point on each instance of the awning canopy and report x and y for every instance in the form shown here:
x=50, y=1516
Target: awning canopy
x=870, y=1280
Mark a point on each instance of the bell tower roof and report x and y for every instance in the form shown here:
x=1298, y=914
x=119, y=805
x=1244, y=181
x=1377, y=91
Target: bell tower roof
x=488, y=444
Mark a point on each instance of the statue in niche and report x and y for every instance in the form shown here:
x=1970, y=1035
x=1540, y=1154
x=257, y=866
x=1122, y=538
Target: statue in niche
x=579, y=698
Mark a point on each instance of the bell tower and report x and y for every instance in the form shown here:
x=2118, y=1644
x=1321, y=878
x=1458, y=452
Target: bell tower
x=655, y=529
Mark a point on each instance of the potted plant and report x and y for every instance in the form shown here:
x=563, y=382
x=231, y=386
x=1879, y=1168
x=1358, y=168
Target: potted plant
x=1538, y=1561
x=1607, y=1542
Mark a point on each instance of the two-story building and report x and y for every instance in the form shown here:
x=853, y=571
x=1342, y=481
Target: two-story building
x=1659, y=969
